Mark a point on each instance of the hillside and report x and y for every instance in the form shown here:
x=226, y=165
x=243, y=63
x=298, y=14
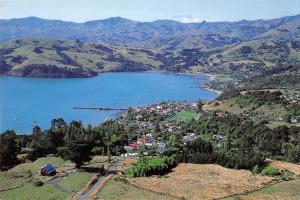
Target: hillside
x=47, y=58
x=36, y=57
x=157, y=34
x=255, y=57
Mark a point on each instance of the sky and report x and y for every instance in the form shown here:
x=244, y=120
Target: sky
x=149, y=10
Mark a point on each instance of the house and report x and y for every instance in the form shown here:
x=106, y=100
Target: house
x=162, y=147
x=152, y=110
x=172, y=129
x=294, y=120
x=159, y=107
x=279, y=118
x=189, y=137
x=138, y=117
x=133, y=145
x=48, y=170
x=218, y=138
x=145, y=139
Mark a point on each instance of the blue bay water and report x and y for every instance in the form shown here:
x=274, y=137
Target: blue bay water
x=25, y=102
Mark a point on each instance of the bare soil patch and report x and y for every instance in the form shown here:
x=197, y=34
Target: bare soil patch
x=220, y=105
x=286, y=166
x=203, y=181
x=125, y=164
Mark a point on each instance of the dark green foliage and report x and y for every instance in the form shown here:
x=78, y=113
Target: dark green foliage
x=199, y=105
x=37, y=183
x=201, y=151
x=294, y=110
x=254, y=99
x=228, y=93
x=110, y=133
x=245, y=143
x=57, y=132
x=77, y=144
x=18, y=59
x=246, y=50
x=71, y=141
x=285, y=80
x=77, y=151
x=8, y=149
x=40, y=151
x=147, y=166
x=40, y=144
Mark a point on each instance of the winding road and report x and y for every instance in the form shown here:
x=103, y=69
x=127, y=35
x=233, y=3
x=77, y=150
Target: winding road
x=100, y=181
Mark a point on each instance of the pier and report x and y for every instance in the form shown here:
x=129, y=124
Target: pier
x=99, y=108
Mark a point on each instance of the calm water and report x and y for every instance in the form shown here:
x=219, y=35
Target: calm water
x=26, y=102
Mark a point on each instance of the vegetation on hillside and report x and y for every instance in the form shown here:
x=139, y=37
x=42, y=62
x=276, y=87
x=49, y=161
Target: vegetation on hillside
x=147, y=166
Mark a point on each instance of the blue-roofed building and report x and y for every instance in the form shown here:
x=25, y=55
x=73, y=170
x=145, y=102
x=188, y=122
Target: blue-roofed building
x=48, y=170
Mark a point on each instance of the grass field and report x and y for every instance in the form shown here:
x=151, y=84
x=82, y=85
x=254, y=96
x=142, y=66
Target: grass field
x=21, y=173
x=21, y=176
x=20, y=179
x=185, y=115
x=28, y=192
x=76, y=181
x=121, y=191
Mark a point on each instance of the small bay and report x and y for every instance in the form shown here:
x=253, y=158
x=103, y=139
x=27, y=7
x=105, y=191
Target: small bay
x=26, y=102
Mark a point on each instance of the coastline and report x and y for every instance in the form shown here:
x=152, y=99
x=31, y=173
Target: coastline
x=211, y=77
x=213, y=90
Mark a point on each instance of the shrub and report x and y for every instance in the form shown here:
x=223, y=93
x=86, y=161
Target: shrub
x=147, y=166
x=256, y=169
x=288, y=175
x=270, y=171
x=38, y=183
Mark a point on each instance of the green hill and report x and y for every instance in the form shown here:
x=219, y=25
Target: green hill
x=36, y=57
x=32, y=57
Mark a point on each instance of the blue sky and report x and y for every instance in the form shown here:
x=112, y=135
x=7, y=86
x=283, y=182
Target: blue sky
x=149, y=10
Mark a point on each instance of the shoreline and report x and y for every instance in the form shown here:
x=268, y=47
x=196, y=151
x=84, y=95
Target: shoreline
x=105, y=72
x=213, y=90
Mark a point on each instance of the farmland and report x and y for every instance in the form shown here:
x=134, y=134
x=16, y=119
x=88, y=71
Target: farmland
x=19, y=182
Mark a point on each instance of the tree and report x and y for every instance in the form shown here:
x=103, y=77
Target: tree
x=57, y=132
x=36, y=137
x=77, y=152
x=40, y=144
x=78, y=147
x=199, y=106
x=8, y=150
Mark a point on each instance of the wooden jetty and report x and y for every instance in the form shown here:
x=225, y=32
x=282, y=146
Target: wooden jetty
x=99, y=108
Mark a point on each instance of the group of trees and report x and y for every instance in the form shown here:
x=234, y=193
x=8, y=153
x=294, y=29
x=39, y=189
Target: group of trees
x=200, y=151
x=8, y=150
x=246, y=143
x=71, y=141
x=254, y=99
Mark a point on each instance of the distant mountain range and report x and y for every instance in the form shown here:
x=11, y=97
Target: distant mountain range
x=34, y=47
x=161, y=34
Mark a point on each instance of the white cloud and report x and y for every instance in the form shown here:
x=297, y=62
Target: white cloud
x=191, y=20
